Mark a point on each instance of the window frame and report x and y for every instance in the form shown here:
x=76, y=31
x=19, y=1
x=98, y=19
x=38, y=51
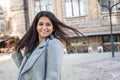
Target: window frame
x=107, y=39
x=72, y=9
x=117, y=7
x=40, y=5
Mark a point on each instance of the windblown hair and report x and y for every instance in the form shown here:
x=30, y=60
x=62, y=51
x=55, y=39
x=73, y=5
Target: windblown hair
x=30, y=40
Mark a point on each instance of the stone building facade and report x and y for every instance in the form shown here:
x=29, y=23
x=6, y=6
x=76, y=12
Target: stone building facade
x=85, y=15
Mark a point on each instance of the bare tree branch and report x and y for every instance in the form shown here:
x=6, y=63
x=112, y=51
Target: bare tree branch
x=100, y=3
x=115, y=4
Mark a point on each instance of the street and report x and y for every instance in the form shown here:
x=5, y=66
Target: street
x=89, y=66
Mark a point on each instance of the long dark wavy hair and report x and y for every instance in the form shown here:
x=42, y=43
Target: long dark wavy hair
x=30, y=40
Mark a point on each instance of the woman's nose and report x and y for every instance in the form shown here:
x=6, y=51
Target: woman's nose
x=44, y=26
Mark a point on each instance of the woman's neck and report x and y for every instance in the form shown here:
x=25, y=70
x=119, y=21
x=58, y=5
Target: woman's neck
x=41, y=39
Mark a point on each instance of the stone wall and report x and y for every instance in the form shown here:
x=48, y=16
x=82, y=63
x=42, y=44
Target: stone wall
x=18, y=17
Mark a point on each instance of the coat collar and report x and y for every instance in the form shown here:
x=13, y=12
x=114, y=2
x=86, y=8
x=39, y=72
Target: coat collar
x=28, y=63
x=43, y=43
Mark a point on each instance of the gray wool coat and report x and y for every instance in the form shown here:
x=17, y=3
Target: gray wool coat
x=39, y=66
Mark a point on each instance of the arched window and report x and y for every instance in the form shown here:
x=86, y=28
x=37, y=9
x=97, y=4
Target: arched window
x=42, y=5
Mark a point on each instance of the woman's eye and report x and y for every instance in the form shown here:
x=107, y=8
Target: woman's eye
x=48, y=24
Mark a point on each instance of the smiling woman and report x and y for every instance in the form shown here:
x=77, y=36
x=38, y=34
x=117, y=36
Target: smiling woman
x=43, y=47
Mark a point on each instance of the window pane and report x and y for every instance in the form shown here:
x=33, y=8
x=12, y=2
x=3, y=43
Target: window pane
x=115, y=38
x=106, y=39
x=49, y=7
x=118, y=7
x=68, y=8
x=82, y=7
x=37, y=5
x=2, y=24
x=75, y=8
x=104, y=2
x=45, y=5
x=112, y=2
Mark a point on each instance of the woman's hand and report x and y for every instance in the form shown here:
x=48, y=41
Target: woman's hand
x=12, y=50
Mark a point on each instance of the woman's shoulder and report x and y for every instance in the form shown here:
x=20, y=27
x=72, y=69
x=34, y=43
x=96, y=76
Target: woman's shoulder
x=54, y=40
x=55, y=43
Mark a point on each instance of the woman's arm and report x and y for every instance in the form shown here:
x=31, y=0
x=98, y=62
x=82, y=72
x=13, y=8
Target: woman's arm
x=54, y=59
x=17, y=57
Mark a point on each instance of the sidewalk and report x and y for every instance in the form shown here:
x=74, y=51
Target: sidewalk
x=90, y=66
x=8, y=70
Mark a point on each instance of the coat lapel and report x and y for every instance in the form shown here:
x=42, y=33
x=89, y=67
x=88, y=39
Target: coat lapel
x=33, y=57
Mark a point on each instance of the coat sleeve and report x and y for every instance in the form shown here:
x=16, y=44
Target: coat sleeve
x=54, y=59
x=17, y=57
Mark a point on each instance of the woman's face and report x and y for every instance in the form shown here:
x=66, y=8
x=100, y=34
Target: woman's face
x=44, y=27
